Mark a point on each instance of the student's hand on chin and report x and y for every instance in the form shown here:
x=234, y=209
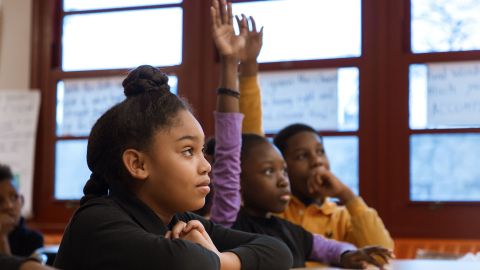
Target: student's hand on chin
x=361, y=258
x=325, y=184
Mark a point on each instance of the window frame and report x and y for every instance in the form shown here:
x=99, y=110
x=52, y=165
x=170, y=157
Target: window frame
x=408, y=218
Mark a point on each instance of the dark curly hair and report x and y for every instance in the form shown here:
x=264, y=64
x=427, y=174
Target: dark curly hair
x=132, y=123
x=5, y=173
x=287, y=132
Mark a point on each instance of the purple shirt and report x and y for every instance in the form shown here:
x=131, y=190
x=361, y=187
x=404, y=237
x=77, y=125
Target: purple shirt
x=226, y=180
x=226, y=169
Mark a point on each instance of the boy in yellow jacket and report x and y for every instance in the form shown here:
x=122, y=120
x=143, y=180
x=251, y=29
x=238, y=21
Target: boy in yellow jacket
x=311, y=180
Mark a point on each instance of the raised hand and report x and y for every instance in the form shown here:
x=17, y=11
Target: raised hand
x=361, y=258
x=227, y=42
x=254, y=39
x=323, y=183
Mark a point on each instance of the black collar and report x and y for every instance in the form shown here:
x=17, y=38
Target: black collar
x=142, y=214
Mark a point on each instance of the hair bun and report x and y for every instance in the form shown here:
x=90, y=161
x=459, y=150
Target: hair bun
x=144, y=79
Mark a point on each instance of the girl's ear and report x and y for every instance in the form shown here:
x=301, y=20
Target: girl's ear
x=135, y=162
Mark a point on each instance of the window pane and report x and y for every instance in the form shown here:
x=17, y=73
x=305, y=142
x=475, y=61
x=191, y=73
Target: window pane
x=73, y=5
x=342, y=152
x=445, y=25
x=80, y=102
x=444, y=167
x=71, y=170
x=326, y=99
x=445, y=95
x=122, y=39
x=333, y=27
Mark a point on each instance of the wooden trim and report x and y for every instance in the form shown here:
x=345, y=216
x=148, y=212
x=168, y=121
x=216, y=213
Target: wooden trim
x=368, y=117
x=443, y=57
x=444, y=131
x=311, y=64
x=71, y=138
x=60, y=74
x=120, y=9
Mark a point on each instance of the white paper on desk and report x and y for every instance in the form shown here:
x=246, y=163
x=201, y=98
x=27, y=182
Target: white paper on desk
x=309, y=97
x=18, y=128
x=453, y=96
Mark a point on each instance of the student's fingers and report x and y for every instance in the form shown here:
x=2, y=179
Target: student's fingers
x=377, y=250
x=243, y=26
x=230, y=13
x=178, y=229
x=239, y=22
x=248, y=23
x=380, y=254
x=215, y=10
x=213, y=14
x=223, y=11
x=194, y=224
x=314, y=183
x=197, y=225
x=168, y=235
x=254, y=25
x=369, y=259
x=352, y=259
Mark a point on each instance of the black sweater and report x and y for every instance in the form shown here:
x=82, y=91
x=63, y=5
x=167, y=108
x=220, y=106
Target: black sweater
x=298, y=240
x=123, y=233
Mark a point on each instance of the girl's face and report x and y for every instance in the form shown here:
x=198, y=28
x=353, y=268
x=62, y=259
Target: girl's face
x=304, y=154
x=177, y=169
x=265, y=186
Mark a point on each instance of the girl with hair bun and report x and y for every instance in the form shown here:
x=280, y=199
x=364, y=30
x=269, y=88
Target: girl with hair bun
x=148, y=171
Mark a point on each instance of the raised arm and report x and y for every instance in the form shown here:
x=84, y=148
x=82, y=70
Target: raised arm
x=228, y=120
x=250, y=101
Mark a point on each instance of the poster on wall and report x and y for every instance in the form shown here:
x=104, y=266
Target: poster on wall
x=453, y=96
x=309, y=97
x=19, y=112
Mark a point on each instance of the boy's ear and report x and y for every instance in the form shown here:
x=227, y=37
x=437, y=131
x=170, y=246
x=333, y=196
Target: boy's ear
x=135, y=163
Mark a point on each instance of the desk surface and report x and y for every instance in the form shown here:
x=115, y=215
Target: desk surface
x=420, y=265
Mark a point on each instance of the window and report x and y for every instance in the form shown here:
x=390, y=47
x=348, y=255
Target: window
x=122, y=39
x=433, y=116
x=100, y=37
x=285, y=38
x=95, y=43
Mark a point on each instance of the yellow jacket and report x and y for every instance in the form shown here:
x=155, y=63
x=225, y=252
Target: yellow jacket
x=355, y=223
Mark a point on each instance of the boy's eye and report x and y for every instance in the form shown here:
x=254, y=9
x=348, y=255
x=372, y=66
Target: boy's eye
x=321, y=151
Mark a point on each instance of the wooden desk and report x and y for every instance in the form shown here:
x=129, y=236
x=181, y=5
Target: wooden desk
x=419, y=265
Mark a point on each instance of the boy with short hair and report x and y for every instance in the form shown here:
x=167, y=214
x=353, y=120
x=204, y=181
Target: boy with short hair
x=15, y=237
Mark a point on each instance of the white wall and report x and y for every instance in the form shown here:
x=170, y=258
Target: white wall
x=15, y=44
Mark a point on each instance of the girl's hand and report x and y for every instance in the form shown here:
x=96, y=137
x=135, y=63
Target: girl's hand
x=361, y=258
x=192, y=231
x=227, y=43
